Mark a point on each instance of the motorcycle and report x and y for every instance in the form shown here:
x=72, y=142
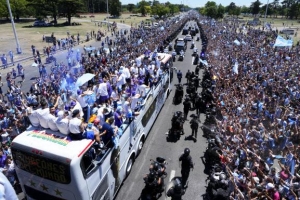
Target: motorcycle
x=198, y=38
x=177, y=99
x=192, y=45
x=154, y=181
x=181, y=56
x=175, y=191
x=195, y=51
x=177, y=126
x=174, y=56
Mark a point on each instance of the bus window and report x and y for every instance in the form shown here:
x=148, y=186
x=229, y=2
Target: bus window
x=87, y=162
x=149, y=113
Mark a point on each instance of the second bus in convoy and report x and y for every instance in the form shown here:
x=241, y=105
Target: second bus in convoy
x=50, y=167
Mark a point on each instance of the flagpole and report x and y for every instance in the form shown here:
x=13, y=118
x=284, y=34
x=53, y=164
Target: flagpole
x=19, y=51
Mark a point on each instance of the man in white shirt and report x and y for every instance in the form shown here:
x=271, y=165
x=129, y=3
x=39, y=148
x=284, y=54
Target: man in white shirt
x=121, y=80
x=102, y=93
x=76, y=126
x=33, y=118
x=142, y=71
x=126, y=72
x=134, y=69
x=75, y=105
x=62, y=122
x=142, y=88
x=43, y=114
x=84, y=105
x=101, y=114
x=52, y=119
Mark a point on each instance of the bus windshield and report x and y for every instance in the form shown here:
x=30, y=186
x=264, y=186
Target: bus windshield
x=42, y=167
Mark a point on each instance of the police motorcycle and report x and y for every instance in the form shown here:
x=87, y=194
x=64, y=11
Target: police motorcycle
x=174, y=55
x=154, y=181
x=181, y=56
x=170, y=46
x=177, y=99
x=193, y=45
x=177, y=126
x=219, y=186
x=195, y=52
x=175, y=189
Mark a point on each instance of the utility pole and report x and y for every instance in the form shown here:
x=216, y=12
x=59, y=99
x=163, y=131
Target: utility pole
x=19, y=51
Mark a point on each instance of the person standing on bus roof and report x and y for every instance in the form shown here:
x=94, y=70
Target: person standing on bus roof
x=108, y=131
x=76, y=126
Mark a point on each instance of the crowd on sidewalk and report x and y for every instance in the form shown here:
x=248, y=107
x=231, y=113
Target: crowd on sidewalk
x=256, y=92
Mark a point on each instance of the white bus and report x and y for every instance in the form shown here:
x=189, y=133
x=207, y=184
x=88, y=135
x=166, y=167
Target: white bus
x=50, y=167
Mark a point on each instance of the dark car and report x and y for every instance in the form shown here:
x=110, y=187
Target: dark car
x=180, y=46
x=193, y=32
x=185, y=31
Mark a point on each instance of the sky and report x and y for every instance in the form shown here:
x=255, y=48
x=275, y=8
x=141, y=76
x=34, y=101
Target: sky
x=200, y=3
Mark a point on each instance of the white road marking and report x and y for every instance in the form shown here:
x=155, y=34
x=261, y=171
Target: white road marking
x=172, y=175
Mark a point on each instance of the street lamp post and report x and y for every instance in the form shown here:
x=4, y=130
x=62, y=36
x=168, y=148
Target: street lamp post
x=266, y=11
x=19, y=51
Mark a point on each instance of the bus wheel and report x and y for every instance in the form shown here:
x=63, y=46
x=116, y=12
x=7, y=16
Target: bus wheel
x=140, y=146
x=129, y=165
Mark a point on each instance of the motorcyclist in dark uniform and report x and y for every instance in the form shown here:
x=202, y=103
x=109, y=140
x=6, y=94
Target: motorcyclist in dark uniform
x=186, y=107
x=186, y=166
x=176, y=192
x=194, y=126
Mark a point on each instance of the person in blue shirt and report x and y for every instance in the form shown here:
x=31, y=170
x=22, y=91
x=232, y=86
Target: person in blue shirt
x=108, y=131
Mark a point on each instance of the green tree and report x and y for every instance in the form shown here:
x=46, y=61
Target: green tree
x=115, y=8
x=245, y=9
x=220, y=12
x=130, y=7
x=211, y=11
x=142, y=7
x=69, y=8
x=255, y=7
x=3, y=9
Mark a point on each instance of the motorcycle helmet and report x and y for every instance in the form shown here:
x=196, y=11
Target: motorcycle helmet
x=222, y=177
x=178, y=187
x=151, y=177
x=186, y=151
x=155, y=166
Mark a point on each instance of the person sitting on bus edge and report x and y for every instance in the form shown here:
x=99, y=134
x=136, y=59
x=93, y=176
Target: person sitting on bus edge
x=108, y=133
x=76, y=126
x=32, y=114
x=52, y=119
x=43, y=114
x=62, y=122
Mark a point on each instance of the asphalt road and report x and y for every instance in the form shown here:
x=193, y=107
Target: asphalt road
x=157, y=145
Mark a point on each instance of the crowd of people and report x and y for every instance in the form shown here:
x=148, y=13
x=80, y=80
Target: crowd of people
x=96, y=109
x=255, y=89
